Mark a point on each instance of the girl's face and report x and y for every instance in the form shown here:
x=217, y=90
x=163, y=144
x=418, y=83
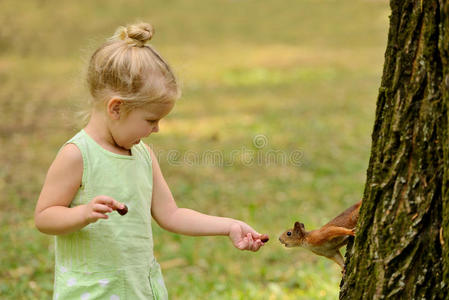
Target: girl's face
x=139, y=123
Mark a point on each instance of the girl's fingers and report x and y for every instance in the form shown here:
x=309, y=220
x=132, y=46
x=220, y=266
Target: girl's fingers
x=247, y=228
x=102, y=208
x=250, y=241
x=111, y=202
x=256, y=235
x=118, y=205
x=243, y=244
x=247, y=243
x=259, y=244
x=256, y=245
x=264, y=238
x=97, y=216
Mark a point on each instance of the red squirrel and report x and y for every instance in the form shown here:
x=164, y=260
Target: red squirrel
x=327, y=240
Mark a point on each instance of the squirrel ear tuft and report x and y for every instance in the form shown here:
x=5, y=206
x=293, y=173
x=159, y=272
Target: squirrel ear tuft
x=299, y=227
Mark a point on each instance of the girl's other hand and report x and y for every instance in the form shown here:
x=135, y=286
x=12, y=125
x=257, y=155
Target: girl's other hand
x=244, y=237
x=99, y=206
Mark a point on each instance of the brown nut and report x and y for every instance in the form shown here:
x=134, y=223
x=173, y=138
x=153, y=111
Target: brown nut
x=123, y=211
x=264, y=238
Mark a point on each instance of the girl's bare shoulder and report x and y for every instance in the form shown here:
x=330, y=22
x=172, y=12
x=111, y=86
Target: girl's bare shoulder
x=63, y=178
x=67, y=165
x=70, y=155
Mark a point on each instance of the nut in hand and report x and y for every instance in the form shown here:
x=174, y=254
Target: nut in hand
x=123, y=211
x=264, y=238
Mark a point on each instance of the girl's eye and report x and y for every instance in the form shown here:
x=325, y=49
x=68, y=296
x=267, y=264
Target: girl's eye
x=289, y=233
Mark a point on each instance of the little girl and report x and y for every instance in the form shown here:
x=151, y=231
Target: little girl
x=107, y=166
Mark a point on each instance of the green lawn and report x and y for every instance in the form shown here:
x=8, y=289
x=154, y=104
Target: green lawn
x=280, y=93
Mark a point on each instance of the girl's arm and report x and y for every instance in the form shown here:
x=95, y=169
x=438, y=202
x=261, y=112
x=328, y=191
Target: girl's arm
x=52, y=214
x=189, y=222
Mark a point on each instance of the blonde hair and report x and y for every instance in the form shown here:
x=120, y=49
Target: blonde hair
x=126, y=68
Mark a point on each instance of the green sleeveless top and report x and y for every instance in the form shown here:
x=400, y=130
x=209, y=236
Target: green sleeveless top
x=111, y=258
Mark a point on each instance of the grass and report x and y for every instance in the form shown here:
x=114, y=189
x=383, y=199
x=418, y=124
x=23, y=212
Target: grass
x=301, y=75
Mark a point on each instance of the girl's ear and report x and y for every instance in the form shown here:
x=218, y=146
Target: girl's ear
x=113, y=108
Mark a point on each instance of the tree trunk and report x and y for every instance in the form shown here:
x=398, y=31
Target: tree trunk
x=401, y=248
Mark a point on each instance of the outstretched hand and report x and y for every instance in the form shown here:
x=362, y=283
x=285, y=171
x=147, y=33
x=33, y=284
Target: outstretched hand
x=244, y=237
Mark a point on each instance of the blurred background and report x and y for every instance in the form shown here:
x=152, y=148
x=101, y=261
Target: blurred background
x=274, y=126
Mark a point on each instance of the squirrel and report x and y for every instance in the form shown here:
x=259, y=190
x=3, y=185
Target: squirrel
x=327, y=240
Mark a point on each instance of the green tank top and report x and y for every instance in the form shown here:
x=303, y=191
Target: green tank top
x=111, y=258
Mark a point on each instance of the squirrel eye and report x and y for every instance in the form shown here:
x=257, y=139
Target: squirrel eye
x=289, y=233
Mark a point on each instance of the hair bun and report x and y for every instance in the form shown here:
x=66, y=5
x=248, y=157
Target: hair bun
x=137, y=34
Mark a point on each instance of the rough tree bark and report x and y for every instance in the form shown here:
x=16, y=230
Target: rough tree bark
x=401, y=248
